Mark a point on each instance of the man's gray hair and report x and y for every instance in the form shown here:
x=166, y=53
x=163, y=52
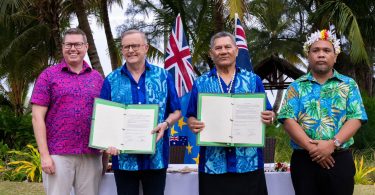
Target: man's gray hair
x=75, y=31
x=134, y=31
x=220, y=35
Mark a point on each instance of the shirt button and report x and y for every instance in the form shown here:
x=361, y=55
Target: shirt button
x=138, y=87
x=139, y=102
x=230, y=150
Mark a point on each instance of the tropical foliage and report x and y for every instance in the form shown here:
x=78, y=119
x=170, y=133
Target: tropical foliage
x=15, y=131
x=365, y=136
x=28, y=163
x=275, y=28
x=362, y=172
x=22, y=165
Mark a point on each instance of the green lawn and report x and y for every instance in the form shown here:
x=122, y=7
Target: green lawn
x=20, y=188
x=23, y=188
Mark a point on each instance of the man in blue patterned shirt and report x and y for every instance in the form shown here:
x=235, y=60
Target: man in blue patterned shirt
x=138, y=82
x=321, y=112
x=228, y=170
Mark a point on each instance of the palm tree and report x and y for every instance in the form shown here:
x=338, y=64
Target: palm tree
x=346, y=23
x=273, y=40
x=20, y=67
x=43, y=20
x=113, y=50
x=30, y=34
x=80, y=11
x=356, y=22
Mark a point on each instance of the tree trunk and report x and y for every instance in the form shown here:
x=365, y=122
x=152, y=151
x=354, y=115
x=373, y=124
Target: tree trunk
x=79, y=9
x=364, y=78
x=218, y=15
x=50, y=12
x=112, y=50
x=16, y=95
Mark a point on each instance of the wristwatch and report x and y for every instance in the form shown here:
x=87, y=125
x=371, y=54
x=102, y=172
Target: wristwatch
x=337, y=142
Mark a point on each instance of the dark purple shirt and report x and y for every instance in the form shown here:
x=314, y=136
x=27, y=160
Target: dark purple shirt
x=69, y=98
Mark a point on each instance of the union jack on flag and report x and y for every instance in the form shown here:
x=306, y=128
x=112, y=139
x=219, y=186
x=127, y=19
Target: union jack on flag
x=243, y=59
x=178, y=59
x=178, y=63
x=173, y=138
x=178, y=140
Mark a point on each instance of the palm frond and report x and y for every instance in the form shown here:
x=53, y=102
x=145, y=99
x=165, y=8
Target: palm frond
x=346, y=23
x=236, y=6
x=155, y=54
x=24, y=37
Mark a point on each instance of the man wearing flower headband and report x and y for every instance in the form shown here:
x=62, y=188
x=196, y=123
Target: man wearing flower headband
x=321, y=112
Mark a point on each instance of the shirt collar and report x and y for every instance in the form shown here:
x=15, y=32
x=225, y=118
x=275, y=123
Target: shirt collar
x=309, y=76
x=65, y=67
x=213, y=71
x=124, y=68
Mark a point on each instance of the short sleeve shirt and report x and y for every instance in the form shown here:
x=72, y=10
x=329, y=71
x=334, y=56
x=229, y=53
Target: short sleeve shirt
x=69, y=98
x=218, y=160
x=322, y=109
x=138, y=93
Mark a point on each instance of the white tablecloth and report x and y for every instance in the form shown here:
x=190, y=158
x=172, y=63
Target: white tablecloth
x=278, y=183
x=176, y=183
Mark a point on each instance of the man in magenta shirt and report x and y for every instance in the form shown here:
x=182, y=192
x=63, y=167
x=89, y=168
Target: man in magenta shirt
x=62, y=103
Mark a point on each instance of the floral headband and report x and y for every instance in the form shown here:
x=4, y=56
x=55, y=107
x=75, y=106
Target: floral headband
x=322, y=35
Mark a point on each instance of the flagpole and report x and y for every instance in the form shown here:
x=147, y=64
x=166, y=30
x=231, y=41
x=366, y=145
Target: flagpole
x=234, y=27
x=235, y=21
x=179, y=64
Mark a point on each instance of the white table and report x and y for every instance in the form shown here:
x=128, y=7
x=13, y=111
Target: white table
x=176, y=183
x=278, y=183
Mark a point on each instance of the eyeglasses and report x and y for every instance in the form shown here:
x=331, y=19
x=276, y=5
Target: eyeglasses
x=135, y=47
x=76, y=45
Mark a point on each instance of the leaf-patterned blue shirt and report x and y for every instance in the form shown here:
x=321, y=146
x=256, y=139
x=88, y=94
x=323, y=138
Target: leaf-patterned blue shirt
x=322, y=109
x=219, y=160
x=155, y=86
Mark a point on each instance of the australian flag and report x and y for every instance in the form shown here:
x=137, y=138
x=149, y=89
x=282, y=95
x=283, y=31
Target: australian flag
x=243, y=59
x=178, y=140
x=178, y=63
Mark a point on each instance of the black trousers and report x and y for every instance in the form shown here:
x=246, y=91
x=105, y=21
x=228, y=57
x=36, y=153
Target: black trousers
x=153, y=182
x=309, y=178
x=250, y=183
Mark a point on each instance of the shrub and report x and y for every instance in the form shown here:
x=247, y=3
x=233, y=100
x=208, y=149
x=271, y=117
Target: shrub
x=365, y=136
x=3, y=152
x=15, y=131
x=362, y=172
x=283, y=149
x=9, y=175
x=27, y=163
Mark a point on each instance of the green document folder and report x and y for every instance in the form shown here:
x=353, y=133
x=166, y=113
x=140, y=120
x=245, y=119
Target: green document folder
x=231, y=120
x=126, y=127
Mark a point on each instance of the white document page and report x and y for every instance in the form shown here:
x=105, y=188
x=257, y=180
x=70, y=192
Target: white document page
x=216, y=115
x=108, y=125
x=138, y=126
x=247, y=124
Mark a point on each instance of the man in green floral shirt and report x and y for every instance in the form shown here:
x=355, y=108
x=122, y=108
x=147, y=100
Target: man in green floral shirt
x=321, y=112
